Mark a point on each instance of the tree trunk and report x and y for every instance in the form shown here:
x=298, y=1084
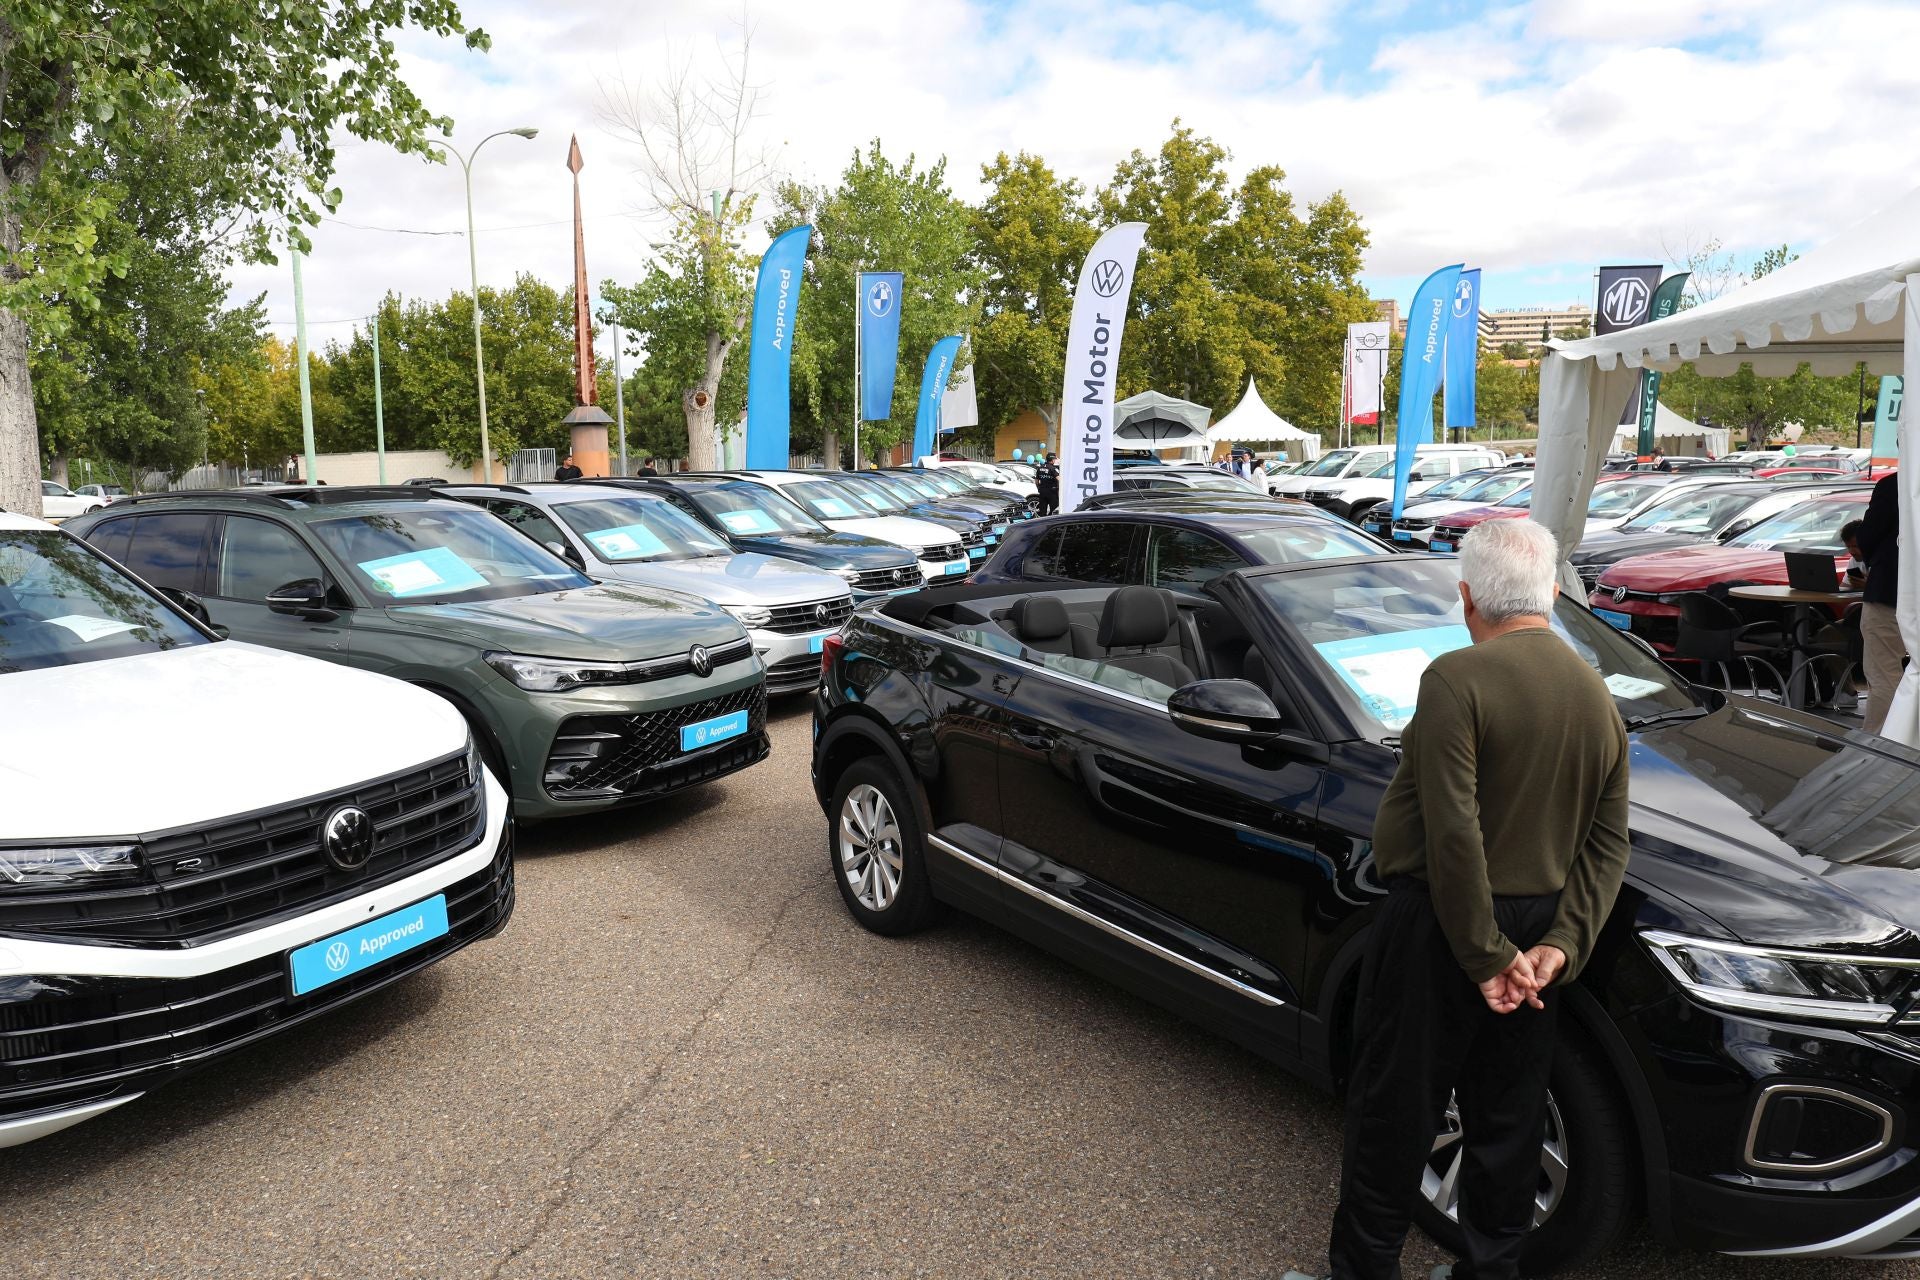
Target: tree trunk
x=830, y=448
x=19, y=430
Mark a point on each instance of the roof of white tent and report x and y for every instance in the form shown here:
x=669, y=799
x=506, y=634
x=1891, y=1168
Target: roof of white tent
x=1668, y=425
x=1836, y=306
x=1251, y=421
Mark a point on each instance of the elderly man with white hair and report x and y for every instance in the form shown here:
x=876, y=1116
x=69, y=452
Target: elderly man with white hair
x=1502, y=841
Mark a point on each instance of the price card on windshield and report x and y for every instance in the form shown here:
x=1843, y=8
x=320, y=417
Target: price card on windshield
x=626, y=542
x=836, y=509
x=749, y=521
x=1385, y=670
x=419, y=573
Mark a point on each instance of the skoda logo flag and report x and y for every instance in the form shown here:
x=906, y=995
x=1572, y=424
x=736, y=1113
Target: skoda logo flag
x=1093, y=360
x=1420, y=362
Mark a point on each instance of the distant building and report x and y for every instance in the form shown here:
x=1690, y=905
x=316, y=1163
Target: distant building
x=1531, y=326
x=1388, y=309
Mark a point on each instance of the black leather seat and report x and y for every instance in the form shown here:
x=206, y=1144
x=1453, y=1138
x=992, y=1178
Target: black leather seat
x=1041, y=623
x=1139, y=632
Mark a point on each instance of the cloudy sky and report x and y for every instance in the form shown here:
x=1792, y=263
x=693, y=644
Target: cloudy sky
x=1533, y=139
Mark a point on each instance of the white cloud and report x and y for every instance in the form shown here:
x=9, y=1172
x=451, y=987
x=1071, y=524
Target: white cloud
x=1533, y=135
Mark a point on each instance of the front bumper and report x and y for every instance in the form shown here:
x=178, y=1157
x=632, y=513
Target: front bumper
x=85, y=1028
x=793, y=661
x=941, y=573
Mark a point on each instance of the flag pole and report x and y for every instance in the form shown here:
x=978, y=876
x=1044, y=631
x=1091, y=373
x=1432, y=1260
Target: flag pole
x=859, y=305
x=379, y=410
x=300, y=354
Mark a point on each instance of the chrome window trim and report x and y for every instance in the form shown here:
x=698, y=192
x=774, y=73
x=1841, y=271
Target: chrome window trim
x=1107, y=926
x=1773, y=1091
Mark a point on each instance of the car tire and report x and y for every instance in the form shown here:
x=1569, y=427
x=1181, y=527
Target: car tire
x=1590, y=1131
x=876, y=851
x=1359, y=511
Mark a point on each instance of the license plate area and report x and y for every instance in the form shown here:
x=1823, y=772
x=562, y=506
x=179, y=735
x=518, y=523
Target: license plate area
x=355, y=950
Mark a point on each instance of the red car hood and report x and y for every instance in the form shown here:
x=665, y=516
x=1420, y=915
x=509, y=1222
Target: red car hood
x=1474, y=515
x=1695, y=568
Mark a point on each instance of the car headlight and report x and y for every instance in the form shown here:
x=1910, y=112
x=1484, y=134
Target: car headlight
x=749, y=615
x=1821, y=985
x=847, y=575
x=51, y=866
x=553, y=675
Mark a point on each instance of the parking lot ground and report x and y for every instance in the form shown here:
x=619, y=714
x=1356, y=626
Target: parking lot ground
x=682, y=1058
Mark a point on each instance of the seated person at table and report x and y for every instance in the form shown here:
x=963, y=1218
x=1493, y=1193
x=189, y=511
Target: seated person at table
x=1857, y=567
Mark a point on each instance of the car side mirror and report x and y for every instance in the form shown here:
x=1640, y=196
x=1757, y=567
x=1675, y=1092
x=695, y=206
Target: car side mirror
x=1226, y=711
x=1734, y=530
x=191, y=605
x=566, y=553
x=303, y=597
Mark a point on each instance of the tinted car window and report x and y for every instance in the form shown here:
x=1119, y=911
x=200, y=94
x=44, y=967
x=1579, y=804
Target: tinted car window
x=528, y=519
x=166, y=548
x=258, y=557
x=748, y=509
x=60, y=604
x=1183, y=559
x=110, y=539
x=1095, y=552
x=1811, y=526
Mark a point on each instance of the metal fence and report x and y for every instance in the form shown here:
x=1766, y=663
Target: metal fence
x=531, y=464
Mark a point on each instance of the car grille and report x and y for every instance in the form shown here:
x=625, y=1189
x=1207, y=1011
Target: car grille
x=945, y=551
x=1589, y=574
x=976, y=537
x=634, y=757
x=1410, y=523
x=1450, y=532
x=890, y=579
x=68, y=1041
x=1317, y=496
x=209, y=881
x=802, y=672
x=813, y=615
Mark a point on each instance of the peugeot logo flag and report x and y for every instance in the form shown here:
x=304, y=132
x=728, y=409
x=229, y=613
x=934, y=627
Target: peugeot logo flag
x=1420, y=362
x=879, y=323
x=776, y=305
x=1463, y=348
x=933, y=388
x=1093, y=359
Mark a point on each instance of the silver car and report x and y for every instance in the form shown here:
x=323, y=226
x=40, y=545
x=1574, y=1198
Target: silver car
x=625, y=535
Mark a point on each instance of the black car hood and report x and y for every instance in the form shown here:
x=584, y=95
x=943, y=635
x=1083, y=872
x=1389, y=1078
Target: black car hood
x=1784, y=829
x=831, y=548
x=1614, y=546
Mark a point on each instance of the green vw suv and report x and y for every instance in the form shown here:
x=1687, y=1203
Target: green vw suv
x=582, y=696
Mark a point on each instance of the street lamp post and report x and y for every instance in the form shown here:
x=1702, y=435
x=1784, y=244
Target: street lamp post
x=473, y=270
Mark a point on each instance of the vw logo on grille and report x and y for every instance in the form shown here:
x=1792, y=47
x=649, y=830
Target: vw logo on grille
x=346, y=838
x=899, y=575
x=700, y=660
x=337, y=956
x=822, y=612
x=1619, y=594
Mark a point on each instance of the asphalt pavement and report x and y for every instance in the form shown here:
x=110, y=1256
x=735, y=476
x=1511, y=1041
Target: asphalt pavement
x=682, y=1058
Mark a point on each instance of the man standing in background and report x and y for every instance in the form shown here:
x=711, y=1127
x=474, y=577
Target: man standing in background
x=1046, y=477
x=1884, y=653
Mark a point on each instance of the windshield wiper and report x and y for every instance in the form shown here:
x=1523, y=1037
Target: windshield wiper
x=1672, y=715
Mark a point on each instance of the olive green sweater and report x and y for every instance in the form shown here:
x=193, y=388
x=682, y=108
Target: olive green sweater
x=1513, y=781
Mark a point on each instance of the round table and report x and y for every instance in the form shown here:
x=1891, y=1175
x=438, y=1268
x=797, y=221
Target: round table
x=1808, y=610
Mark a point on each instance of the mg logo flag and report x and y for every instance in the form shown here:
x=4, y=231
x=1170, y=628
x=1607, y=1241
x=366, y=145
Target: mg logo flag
x=1093, y=360
x=1420, y=362
x=1463, y=348
x=879, y=324
x=1366, y=369
x=1626, y=297
x=776, y=304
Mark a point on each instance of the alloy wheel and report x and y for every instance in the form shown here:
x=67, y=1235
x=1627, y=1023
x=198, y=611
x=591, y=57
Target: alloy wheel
x=870, y=847
x=1440, y=1180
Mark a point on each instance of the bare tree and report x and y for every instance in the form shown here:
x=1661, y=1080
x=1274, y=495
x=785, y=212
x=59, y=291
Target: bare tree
x=1712, y=269
x=700, y=168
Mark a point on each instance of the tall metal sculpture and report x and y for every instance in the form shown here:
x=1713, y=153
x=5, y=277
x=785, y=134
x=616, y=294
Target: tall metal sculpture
x=587, y=419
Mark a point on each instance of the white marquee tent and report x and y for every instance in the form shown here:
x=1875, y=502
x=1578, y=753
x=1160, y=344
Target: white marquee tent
x=1679, y=435
x=1856, y=298
x=1251, y=423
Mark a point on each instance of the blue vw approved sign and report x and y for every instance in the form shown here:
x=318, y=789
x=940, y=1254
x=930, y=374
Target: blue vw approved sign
x=365, y=945
x=707, y=732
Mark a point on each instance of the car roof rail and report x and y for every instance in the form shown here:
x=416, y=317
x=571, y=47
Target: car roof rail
x=329, y=495
x=264, y=496
x=498, y=486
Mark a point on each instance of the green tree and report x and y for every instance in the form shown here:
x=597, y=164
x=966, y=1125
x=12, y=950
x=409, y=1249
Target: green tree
x=882, y=216
x=1030, y=236
x=269, y=88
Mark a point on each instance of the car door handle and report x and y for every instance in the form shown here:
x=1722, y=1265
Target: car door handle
x=1039, y=740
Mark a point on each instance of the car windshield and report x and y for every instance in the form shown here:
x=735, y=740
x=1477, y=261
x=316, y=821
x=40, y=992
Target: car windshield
x=916, y=484
x=1196, y=480
x=1290, y=543
x=1384, y=471
x=1618, y=498
x=825, y=500
x=1451, y=487
x=878, y=492
x=61, y=605
x=1694, y=511
x=435, y=554
x=1496, y=487
x=1333, y=464
x=749, y=509
x=1811, y=526
x=49, y=489
x=1374, y=627
x=629, y=530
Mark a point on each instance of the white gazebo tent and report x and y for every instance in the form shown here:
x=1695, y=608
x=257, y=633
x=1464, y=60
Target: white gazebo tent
x=1251, y=423
x=1679, y=436
x=1841, y=304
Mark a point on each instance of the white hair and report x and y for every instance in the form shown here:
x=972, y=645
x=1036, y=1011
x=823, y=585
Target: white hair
x=1510, y=566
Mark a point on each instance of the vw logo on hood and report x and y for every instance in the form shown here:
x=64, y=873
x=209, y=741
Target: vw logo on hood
x=822, y=612
x=346, y=838
x=700, y=660
x=900, y=575
x=1619, y=594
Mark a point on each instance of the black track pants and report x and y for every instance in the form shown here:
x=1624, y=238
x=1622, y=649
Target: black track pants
x=1423, y=1031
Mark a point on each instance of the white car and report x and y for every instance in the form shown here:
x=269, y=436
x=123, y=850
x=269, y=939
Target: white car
x=992, y=475
x=1362, y=460
x=621, y=535
x=163, y=907
x=941, y=551
x=57, y=502
x=1355, y=495
x=1416, y=520
x=105, y=492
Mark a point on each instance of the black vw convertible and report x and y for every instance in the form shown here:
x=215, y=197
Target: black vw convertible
x=1178, y=791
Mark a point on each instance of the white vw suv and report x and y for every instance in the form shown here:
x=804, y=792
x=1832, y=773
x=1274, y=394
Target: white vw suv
x=297, y=834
